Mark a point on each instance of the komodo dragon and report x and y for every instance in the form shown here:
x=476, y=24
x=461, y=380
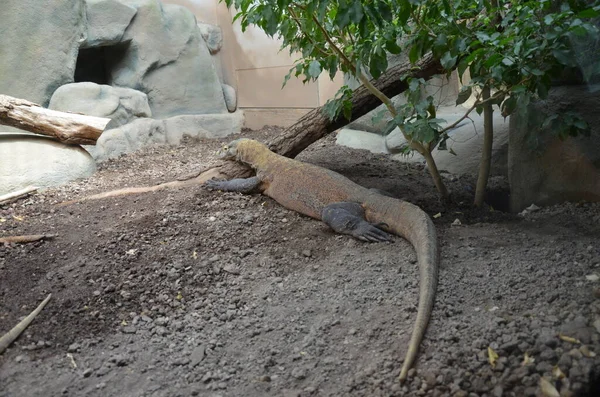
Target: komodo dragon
x=347, y=208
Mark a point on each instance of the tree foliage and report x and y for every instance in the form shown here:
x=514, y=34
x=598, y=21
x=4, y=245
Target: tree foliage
x=516, y=48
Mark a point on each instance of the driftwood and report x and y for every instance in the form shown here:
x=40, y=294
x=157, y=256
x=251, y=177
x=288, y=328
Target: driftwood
x=69, y=128
x=309, y=129
x=14, y=196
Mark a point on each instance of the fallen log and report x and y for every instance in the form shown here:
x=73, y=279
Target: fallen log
x=69, y=128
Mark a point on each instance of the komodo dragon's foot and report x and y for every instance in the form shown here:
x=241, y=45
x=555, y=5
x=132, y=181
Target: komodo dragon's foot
x=349, y=218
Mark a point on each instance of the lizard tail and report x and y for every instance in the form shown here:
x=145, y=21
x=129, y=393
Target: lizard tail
x=412, y=223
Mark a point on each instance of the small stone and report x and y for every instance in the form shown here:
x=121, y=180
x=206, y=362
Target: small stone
x=129, y=329
x=307, y=253
x=298, y=373
x=87, y=372
x=19, y=358
x=264, y=378
x=197, y=355
x=120, y=360
x=74, y=348
x=456, y=222
x=497, y=391
x=352, y=331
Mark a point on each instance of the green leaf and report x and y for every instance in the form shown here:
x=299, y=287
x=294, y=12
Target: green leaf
x=509, y=106
x=564, y=56
x=589, y=13
x=314, y=69
x=384, y=10
x=378, y=64
x=464, y=94
x=392, y=47
x=355, y=12
x=448, y=60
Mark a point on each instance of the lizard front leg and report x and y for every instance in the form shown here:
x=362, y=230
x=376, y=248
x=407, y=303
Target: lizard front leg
x=240, y=185
x=349, y=218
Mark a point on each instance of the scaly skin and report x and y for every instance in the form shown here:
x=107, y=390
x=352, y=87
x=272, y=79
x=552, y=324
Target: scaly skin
x=308, y=189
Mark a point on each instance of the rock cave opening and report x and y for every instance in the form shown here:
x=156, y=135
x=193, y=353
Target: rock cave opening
x=96, y=64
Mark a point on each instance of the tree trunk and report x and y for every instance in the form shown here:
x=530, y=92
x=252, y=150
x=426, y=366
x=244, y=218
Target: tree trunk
x=69, y=128
x=486, y=152
x=315, y=124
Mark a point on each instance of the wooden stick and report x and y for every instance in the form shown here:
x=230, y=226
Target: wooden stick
x=24, y=239
x=10, y=197
x=199, y=180
x=70, y=128
x=14, y=333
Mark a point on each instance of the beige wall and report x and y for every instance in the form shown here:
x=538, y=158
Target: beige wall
x=254, y=65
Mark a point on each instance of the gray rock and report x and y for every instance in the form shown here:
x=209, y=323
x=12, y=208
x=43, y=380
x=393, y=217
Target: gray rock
x=30, y=160
x=106, y=22
x=535, y=152
x=166, y=58
x=212, y=35
x=122, y=105
x=230, y=97
x=357, y=139
x=39, y=42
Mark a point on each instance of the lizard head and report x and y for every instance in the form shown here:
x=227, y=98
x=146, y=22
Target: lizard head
x=230, y=150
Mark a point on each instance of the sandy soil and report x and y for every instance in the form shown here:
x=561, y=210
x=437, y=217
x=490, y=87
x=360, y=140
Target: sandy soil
x=190, y=292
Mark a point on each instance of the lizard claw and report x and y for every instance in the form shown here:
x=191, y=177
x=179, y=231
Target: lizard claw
x=370, y=233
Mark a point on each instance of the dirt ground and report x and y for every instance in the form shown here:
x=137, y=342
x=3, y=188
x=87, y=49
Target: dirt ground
x=197, y=293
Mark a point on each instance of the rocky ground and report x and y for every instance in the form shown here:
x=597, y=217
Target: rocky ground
x=190, y=292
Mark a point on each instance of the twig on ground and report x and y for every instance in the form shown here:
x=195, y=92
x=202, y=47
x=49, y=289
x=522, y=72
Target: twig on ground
x=30, y=238
x=13, y=196
x=198, y=180
x=14, y=333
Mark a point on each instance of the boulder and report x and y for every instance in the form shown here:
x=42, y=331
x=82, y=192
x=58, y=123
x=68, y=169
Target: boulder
x=38, y=46
x=31, y=160
x=543, y=169
x=106, y=22
x=212, y=35
x=165, y=56
x=357, y=139
x=466, y=141
x=122, y=105
x=230, y=97
x=143, y=132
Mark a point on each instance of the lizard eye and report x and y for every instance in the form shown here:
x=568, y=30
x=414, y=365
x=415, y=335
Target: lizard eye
x=225, y=147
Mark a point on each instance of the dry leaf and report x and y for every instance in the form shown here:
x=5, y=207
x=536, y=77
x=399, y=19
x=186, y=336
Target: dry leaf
x=569, y=339
x=123, y=323
x=587, y=352
x=18, y=218
x=527, y=360
x=557, y=373
x=438, y=215
x=492, y=357
x=179, y=296
x=2, y=220
x=547, y=388
x=73, y=363
x=195, y=254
